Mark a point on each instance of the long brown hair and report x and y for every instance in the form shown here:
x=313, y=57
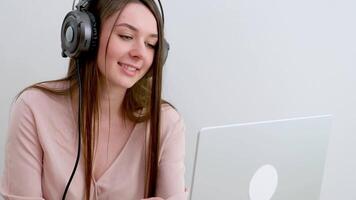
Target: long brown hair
x=142, y=102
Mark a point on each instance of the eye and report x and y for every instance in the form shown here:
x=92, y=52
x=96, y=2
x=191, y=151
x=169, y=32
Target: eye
x=125, y=37
x=151, y=46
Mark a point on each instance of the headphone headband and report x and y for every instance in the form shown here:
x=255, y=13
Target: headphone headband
x=83, y=5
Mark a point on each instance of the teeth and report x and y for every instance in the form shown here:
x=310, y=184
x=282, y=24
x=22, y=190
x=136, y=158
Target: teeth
x=129, y=68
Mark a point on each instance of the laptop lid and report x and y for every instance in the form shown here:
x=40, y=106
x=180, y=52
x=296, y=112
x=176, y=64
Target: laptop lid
x=270, y=160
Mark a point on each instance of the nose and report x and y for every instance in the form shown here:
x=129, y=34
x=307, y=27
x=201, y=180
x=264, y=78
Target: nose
x=138, y=50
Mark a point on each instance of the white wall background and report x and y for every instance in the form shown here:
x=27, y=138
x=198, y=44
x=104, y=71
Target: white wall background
x=230, y=61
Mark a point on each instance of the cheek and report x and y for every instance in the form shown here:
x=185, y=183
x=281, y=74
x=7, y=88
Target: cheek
x=150, y=58
x=100, y=60
x=101, y=53
x=108, y=52
x=115, y=49
x=148, y=65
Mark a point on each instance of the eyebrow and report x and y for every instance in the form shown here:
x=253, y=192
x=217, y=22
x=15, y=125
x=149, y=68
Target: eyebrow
x=134, y=28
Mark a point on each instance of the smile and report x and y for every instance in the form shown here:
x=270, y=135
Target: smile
x=129, y=69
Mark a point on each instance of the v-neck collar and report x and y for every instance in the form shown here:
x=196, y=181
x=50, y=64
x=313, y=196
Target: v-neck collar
x=114, y=163
x=118, y=157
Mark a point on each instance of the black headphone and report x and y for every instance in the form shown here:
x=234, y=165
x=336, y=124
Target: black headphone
x=80, y=34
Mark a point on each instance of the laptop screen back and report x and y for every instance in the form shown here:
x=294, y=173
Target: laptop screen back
x=271, y=160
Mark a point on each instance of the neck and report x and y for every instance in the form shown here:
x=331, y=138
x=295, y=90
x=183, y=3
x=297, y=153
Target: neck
x=111, y=99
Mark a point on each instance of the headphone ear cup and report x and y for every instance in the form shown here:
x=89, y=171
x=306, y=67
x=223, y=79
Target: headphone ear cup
x=79, y=33
x=95, y=32
x=165, y=50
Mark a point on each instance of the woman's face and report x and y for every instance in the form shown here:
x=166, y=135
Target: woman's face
x=130, y=48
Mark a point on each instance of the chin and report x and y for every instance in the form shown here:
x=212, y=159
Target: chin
x=124, y=82
x=125, y=85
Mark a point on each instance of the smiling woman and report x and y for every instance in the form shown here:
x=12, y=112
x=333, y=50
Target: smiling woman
x=130, y=143
x=131, y=48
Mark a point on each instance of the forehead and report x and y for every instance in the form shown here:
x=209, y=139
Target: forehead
x=139, y=16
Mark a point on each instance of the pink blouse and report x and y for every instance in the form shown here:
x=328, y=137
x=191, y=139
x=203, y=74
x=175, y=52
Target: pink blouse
x=42, y=146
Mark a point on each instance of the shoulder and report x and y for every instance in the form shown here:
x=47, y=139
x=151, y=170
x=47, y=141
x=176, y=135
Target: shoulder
x=172, y=124
x=31, y=96
x=35, y=97
x=172, y=140
x=170, y=116
x=40, y=103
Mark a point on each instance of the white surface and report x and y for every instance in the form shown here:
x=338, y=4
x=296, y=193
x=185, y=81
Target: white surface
x=227, y=157
x=230, y=61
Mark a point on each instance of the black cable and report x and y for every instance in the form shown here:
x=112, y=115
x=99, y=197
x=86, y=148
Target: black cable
x=79, y=129
x=160, y=6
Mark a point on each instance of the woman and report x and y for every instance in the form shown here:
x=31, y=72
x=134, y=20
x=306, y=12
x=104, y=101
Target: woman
x=132, y=141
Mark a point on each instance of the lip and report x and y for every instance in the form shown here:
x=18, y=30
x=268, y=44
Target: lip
x=128, y=72
x=121, y=63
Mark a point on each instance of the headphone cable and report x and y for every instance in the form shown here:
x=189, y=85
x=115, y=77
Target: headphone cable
x=162, y=13
x=79, y=129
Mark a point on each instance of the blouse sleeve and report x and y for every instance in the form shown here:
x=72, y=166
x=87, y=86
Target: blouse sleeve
x=171, y=169
x=23, y=156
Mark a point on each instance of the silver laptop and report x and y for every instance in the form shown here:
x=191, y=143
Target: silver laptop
x=270, y=160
